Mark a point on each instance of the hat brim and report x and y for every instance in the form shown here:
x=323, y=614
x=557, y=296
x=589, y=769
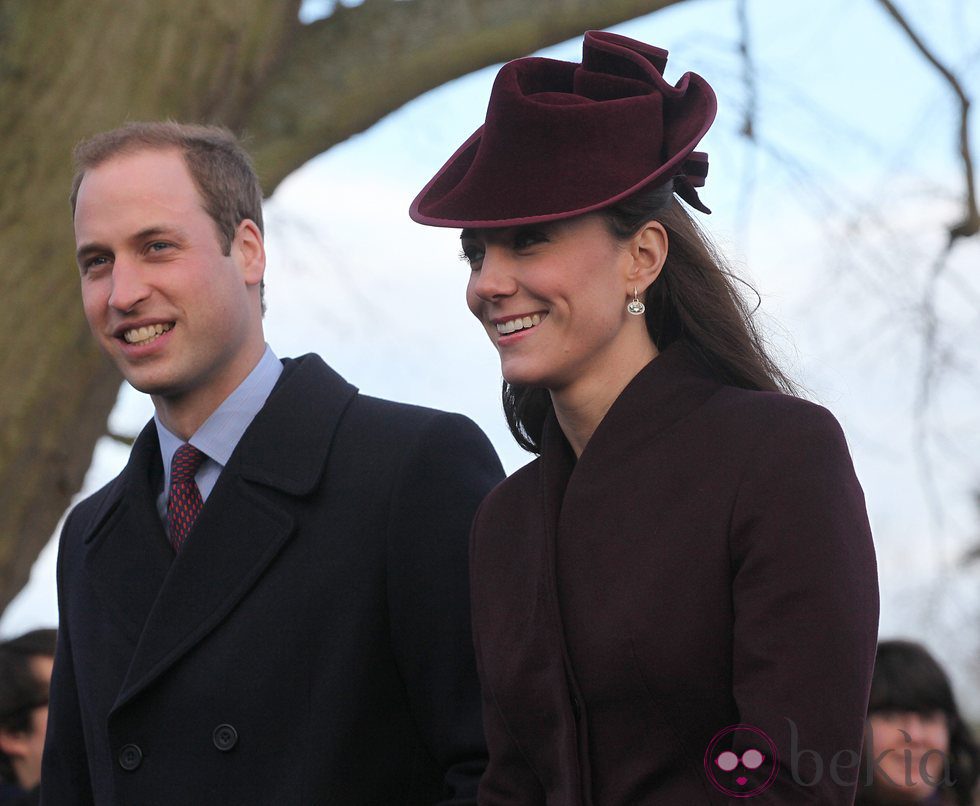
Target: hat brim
x=499, y=184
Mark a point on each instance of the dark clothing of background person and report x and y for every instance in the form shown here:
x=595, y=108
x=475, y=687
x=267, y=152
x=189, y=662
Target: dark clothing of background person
x=309, y=644
x=13, y=795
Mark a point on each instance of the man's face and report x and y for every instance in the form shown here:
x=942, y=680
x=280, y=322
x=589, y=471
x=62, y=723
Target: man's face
x=180, y=320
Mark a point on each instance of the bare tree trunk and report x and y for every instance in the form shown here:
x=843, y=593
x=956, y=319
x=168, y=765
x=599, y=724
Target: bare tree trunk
x=69, y=68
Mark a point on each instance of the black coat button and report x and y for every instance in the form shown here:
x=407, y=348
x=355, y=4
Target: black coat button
x=130, y=757
x=225, y=737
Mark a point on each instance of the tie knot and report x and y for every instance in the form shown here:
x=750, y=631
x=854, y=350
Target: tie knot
x=187, y=459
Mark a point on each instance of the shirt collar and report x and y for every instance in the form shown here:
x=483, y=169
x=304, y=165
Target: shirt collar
x=219, y=435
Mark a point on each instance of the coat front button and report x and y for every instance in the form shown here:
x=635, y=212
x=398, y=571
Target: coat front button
x=130, y=757
x=225, y=737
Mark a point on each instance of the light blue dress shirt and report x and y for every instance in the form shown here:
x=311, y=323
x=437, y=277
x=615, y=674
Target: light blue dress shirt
x=219, y=434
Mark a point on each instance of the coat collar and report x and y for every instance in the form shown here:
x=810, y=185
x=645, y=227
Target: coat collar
x=286, y=446
x=166, y=604
x=665, y=391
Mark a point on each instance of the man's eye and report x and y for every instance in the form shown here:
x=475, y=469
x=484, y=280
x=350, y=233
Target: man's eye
x=158, y=246
x=94, y=263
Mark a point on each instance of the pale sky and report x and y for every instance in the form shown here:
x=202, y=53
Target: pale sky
x=834, y=219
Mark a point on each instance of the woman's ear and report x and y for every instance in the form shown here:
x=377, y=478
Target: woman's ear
x=648, y=248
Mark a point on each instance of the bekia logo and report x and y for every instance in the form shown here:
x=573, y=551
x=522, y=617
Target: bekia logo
x=755, y=770
x=741, y=776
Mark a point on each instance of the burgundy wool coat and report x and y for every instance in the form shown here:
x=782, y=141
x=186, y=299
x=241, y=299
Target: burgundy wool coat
x=707, y=562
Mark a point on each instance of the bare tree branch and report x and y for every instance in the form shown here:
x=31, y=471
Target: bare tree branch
x=930, y=369
x=748, y=127
x=748, y=71
x=970, y=225
x=325, y=88
x=972, y=554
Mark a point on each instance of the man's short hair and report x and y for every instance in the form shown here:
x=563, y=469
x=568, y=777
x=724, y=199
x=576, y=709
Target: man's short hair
x=221, y=169
x=20, y=690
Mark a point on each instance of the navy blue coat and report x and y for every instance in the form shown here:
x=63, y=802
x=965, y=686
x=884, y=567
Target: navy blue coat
x=310, y=644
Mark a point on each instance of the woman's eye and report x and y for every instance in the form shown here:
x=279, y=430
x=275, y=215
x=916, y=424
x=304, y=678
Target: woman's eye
x=526, y=238
x=471, y=254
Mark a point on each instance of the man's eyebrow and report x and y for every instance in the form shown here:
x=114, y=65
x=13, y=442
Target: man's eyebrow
x=88, y=249
x=158, y=230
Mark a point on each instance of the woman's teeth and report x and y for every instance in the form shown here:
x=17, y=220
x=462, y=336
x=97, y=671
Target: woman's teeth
x=518, y=324
x=140, y=335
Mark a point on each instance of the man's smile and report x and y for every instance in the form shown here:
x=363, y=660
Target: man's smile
x=145, y=334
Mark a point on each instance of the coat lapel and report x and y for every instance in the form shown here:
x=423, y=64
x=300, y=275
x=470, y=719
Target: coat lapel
x=613, y=468
x=666, y=390
x=572, y=493
x=245, y=522
x=127, y=556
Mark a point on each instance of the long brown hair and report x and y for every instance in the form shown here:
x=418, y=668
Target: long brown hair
x=695, y=300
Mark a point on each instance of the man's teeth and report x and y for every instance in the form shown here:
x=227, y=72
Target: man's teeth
x=518, y=324
x=144, y=334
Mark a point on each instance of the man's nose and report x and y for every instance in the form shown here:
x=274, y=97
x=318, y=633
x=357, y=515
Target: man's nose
x=129, y=286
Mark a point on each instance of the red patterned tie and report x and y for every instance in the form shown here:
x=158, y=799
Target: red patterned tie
x=184, y=503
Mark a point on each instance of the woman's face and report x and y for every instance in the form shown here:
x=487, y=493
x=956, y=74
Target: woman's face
x=553, y=297
x=910, y=753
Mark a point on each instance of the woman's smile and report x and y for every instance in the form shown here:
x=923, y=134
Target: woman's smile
x=510, y=325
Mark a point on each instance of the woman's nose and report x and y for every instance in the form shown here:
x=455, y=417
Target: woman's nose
x=496, y=276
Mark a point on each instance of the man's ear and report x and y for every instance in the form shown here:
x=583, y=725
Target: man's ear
x=13, y=742
x=248, y=249
x=648, y=249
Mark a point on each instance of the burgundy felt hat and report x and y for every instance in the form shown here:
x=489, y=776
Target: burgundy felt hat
x=562, y=139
